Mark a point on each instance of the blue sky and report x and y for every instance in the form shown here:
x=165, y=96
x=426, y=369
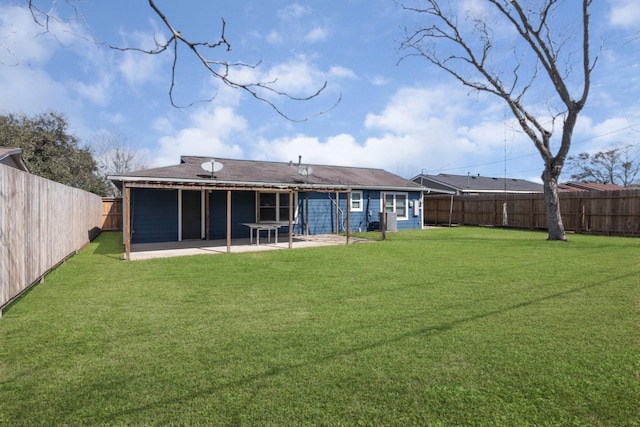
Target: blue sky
x=406, y=117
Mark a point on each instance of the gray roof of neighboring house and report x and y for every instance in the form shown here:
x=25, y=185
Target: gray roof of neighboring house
x=447, y=183
x=279, y=175
x=13, y=157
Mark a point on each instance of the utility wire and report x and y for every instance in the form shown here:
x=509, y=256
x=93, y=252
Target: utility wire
x=582, y=141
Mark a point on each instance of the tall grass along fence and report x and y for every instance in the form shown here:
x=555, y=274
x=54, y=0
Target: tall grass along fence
x=41, y=224
x=595, y=212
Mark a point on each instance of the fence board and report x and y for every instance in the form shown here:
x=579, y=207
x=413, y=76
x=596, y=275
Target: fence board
x=596, y=212
x=112, y=213
x=41, y=224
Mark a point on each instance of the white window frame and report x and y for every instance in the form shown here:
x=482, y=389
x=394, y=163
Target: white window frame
x=392, y=207
x=277, y=207
x=357, y=209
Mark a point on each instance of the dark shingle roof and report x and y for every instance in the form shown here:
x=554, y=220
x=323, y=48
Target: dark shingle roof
x=270, y=174
x=473, y=183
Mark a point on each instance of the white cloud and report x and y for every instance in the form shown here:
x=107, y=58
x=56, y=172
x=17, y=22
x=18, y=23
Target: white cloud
x=293, y=11
x=340, y=149
x=138, y=67
x=342, y=72
x=316, y=34
x=23, y=40
x=419, y=128
x=31, y=91
x=32, y=64
x=625, y=13
x=274, y=37
x=592, y=136
x=379, y=80
x=213, y=131
x=98, y=92
x=297, y=76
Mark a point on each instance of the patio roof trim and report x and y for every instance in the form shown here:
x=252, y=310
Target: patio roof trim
x=207, y=184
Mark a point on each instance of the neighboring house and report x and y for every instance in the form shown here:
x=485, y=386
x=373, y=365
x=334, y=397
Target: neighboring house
x=589, y=186
x=205, y=199
x=13, y=157
x=474, y=184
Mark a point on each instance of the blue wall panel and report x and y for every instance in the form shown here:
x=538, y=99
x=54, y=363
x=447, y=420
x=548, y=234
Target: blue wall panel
x=322, y=213
x=243, y=209
x=154, y=215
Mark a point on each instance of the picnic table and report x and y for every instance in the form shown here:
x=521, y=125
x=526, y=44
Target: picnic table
x=259, y=226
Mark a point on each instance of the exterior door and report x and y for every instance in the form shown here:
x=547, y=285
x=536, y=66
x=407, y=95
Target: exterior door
x=191, y=215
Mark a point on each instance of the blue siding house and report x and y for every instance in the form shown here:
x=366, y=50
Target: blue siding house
x=201, y=198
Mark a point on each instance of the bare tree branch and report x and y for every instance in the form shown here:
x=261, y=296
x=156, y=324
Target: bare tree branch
x=263, y=91
x=219, y=68
x=619, y=166
x=468, y=57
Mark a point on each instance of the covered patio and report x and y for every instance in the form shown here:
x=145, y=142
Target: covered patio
x=216, y=205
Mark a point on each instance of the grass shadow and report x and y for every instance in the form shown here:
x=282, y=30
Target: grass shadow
x=109, y=243
x=443, y=327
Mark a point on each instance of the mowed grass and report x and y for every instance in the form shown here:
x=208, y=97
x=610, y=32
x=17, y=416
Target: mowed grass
x=460, y=326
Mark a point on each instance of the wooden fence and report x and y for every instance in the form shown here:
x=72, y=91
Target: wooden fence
x=112, y=214
x=596, y=212
x=41, y=224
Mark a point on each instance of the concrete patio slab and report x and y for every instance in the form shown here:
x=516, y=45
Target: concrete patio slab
x=142, y=251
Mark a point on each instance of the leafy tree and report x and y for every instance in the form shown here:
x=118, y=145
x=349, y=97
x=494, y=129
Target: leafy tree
x=618, y=166
x=50, y=151
x=539, y=54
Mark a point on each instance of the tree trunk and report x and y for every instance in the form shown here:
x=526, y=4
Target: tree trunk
x=552, y=202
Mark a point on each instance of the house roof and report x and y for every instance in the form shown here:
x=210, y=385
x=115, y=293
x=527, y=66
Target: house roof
x=13, y=157
x=447, y=183
x=263, y=174
x=589, y=186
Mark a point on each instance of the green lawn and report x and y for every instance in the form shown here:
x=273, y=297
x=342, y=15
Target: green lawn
x=460, y=326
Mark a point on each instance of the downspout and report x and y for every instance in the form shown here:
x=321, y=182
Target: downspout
x=367, y=213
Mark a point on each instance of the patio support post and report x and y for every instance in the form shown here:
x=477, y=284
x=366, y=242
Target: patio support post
x=203, y=211
x=290, y=219
x=306, y=214
x=127, y=222
x=228, y=221
x=337, y=213
x=179, y=215
x=348, y=215
x=383, y=217
x=207, y=215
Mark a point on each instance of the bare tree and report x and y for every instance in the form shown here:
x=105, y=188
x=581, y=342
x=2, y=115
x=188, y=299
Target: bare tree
x=618, y=166
x=114, y=155
x=264, y=91
x=466, y=48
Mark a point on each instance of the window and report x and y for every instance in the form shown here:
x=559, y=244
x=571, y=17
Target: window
x=356, y=201
x=398, y=203
x=274, y=207
x=268, y=208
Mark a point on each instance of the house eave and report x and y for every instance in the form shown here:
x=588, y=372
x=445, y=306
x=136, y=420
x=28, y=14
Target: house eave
x=16, y=156
x=211, y=184
x=471, y=191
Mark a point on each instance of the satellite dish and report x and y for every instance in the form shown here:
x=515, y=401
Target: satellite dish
x=211, y=166
x=305, y=170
